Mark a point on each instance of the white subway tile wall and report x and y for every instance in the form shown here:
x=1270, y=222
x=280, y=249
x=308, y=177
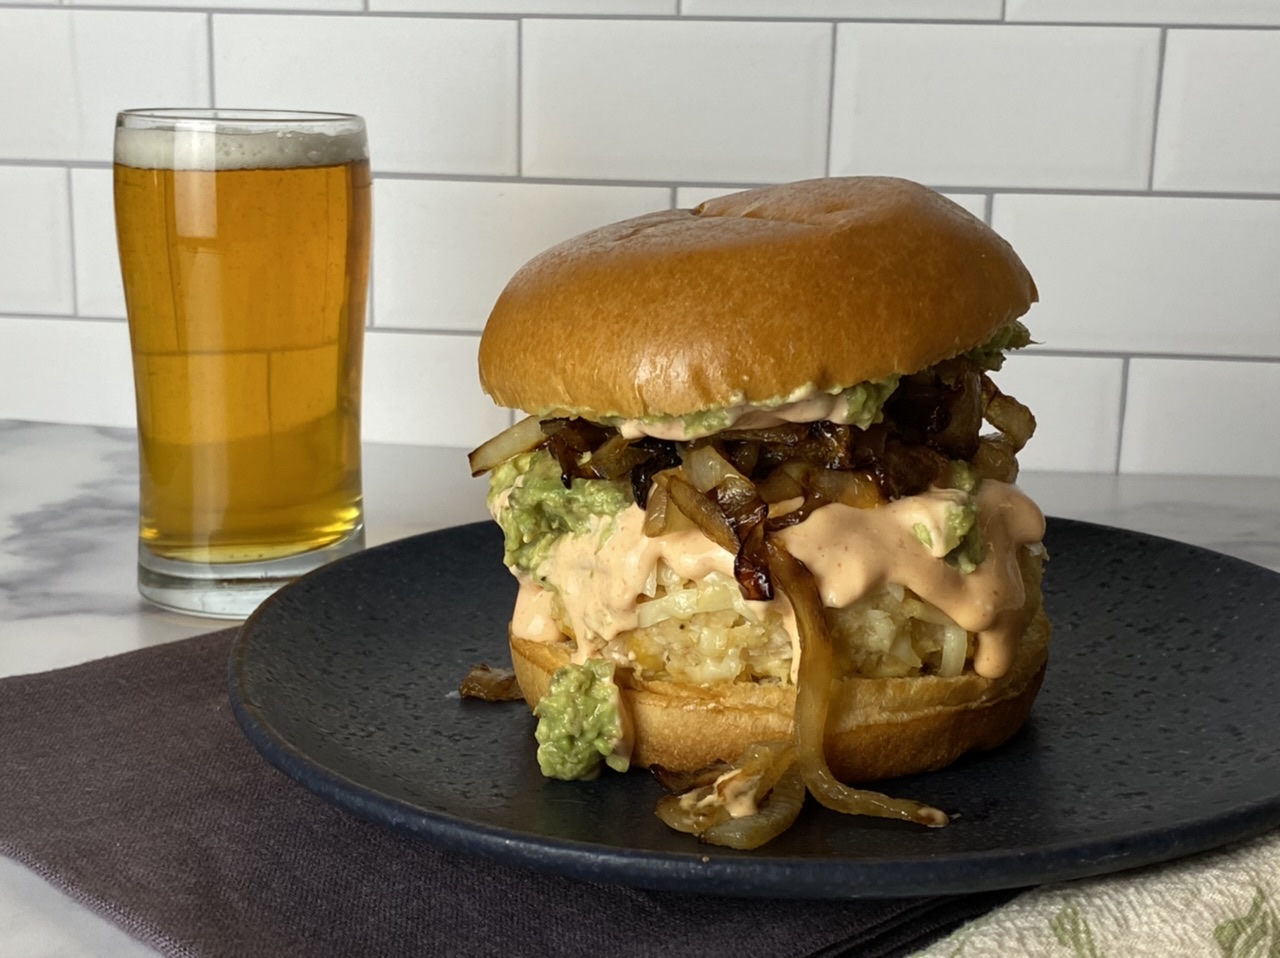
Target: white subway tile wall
x=65, y=370
x=680, y=100
x=1150, y=274
x=99, y=290
x=423, y=389
x=1201, y=416
x=1063, y=107
x=1129, y=149
x=65, y=73
x=445, y=249
x=1076, y=401
x=847, y=9
x=439, y=94
x=1219, y=129
x=1229, y=12
x=35, y=234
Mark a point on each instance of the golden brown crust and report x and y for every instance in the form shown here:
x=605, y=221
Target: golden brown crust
x=879, y=728
x=835, y=281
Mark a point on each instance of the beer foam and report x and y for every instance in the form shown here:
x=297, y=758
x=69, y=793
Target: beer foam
x=148, y=149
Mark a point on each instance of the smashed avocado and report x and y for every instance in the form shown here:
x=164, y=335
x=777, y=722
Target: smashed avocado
x=580, y=722
x=865, y=401
x=968, y=555
x=706, y=422
x=540, y=508
x=961, y=543
x=963, y=477
x=968, y=550
x=990, y=355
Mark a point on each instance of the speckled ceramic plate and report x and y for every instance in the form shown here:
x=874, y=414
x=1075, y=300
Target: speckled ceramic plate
x=1154, y=736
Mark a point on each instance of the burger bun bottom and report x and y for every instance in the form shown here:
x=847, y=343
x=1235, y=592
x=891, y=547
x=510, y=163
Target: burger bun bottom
x=877, y=728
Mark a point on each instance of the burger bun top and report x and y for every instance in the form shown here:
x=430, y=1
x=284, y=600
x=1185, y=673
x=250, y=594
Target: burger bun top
x=750, y=298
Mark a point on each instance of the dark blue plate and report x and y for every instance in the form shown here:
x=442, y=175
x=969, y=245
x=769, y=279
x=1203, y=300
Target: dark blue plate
x=1154, y=735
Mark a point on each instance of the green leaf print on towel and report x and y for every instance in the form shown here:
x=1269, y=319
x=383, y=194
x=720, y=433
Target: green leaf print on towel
x=1252, y=935
x=1071, y=928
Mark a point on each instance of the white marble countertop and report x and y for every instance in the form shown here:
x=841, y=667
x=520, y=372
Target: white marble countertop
x=68, y=524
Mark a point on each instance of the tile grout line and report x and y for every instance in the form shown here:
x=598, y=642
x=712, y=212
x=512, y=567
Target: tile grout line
x=1151, y=354
x=213, y=89
x=667, y=17
x=831, y=101
x=71, y=237
x=1124, y=408
x=664, y=182
x=1155, y=117
x=519, y=98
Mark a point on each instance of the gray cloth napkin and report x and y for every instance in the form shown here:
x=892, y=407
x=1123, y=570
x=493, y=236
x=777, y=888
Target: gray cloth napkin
x=127, y=783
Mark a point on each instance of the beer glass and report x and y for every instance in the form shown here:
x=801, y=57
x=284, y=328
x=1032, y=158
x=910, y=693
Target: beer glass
x=244, y=248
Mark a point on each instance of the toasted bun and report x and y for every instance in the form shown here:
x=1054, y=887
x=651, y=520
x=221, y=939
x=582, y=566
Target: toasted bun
x=878, y=728
x=748, y=298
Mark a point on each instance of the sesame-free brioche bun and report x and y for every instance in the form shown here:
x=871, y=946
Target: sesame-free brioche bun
x=878, y=727
x=748, y=298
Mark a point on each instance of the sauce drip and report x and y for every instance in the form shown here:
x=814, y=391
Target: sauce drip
x=850, y=552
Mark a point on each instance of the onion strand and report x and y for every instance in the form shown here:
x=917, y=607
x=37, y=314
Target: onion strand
x=813, y=700
x=525, y=435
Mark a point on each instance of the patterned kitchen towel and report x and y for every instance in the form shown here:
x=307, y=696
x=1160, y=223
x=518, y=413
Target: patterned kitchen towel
x=127, y=783
x=1223, y=904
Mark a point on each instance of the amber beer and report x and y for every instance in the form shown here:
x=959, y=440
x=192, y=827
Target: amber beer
x=244, y=247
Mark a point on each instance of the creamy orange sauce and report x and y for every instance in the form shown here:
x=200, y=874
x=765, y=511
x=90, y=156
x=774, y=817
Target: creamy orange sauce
x=600, y=573
x=733, y=790
x=850, y=551
x=833, y=543
x=807, y=408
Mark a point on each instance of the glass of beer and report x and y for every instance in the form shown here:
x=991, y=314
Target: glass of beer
x=244, y=247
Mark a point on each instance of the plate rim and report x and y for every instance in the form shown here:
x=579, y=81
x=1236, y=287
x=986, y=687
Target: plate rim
x=708, y=870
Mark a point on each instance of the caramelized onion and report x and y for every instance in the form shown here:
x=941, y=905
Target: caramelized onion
x=677, y=782
x=525, y=435
x=700, y=509
x=907, y=469
x=813, y=700
x=762, y=778
x=707, y=469
x=615, y=458
x=581, y=435
x=1012, y=418
x=778, y=812
x=779, y=486
x=661, y=517
x=724, y=506
x=656, y=511
x=744, y=455
x=996, y=459
x=857, y=489
x=490, y=685
x=958, y=439
x=661, y=454
x=751, y=564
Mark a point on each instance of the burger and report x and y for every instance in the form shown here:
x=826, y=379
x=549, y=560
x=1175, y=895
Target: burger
x=763, y=508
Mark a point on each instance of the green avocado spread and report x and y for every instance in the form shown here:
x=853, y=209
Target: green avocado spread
x=540, y=508
x=865, y=401
x=580, y=722
x=961, y=544
x=990, y=355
